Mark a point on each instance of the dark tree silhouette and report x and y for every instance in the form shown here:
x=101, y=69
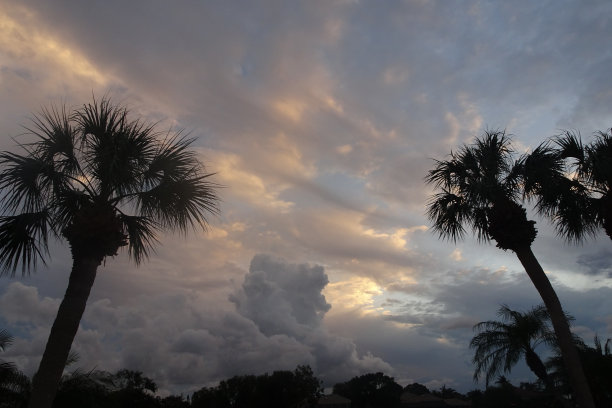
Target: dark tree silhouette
x=597, y=362
x=281, y=389
x=416, y=389
x=499, y=345
x=14, y=385
x=374, y=390
x=447, y=393
x=100, y=389
x=80, y=389
x=101, y=181
x=480, y=187
x=134, y=390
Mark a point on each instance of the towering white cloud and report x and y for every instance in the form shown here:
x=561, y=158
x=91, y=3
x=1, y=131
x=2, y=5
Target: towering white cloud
x=285, y=299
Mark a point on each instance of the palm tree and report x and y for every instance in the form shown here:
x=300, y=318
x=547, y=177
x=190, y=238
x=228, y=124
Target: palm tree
x=101, y=181
x=480, y=188
x=572, y=183
x=499, y=345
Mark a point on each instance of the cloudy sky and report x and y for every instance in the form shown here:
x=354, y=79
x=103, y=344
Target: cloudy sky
x=321, y=118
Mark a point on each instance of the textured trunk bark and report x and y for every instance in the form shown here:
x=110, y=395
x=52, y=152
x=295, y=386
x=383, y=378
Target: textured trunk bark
x=571, y=359
x=65, y=326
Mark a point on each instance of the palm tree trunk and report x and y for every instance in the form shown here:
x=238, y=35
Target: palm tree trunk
x=536, y=365
x=577, y=379
x=65, y=326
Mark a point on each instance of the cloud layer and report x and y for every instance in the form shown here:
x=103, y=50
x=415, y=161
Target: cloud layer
x=321, y=119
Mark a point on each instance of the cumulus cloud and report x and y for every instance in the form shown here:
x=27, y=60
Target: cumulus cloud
x=21, y=303
x=282, y=298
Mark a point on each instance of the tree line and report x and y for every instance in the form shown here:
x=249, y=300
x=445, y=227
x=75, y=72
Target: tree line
x=498, y=346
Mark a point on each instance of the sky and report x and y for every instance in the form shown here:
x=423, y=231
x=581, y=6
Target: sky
x=321, y=120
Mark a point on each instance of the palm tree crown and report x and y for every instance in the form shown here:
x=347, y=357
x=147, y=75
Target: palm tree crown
x=480, y=187
x=572, y=183
x=499, y=345
x=101, y=181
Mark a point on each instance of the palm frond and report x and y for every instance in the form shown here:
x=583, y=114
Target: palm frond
x=23, y=241
x=541, y=170
x=557, y=188
x=56, y=139
x=471, y=180
x=480, y=224
x=21, y=181
x=494, y=154
x=444, y=174
x=116, y=149
x=598, y=162
x=172, y=159
x=66, y=205
x=570, y=146
x=448, y=213
x=499, y=345
x=575, y=215
x=180, y=204
x=141, y=236
x=99, y=119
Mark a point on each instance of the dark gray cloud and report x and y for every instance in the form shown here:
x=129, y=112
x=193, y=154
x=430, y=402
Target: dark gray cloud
x=598, y=263
x=282, y=298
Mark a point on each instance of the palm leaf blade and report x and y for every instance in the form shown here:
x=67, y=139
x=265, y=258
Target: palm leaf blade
x=23, y=241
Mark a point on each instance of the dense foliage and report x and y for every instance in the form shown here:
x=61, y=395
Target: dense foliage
x=300, y=388
x=371, y=390
x=14, y=385
x=597, y=362
x=281, y=389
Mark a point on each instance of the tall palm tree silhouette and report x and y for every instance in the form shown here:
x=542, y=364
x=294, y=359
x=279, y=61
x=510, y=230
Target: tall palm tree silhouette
x=480, y=187
x=101, y=181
